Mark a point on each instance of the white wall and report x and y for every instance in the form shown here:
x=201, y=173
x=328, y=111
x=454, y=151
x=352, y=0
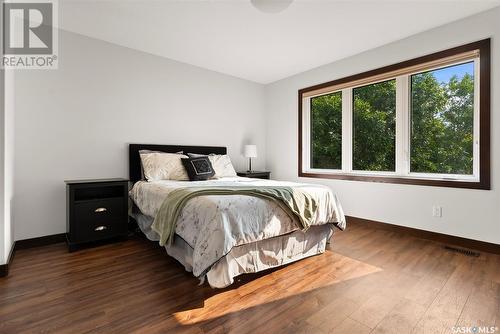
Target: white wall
x=7, y=113
x=2, y=159
x=9, y=153
x=467, y=213
x=76, y=122
x=6, y=162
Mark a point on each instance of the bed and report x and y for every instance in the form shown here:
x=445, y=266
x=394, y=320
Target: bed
x=219, y=237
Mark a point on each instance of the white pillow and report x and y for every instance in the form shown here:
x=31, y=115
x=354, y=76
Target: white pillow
x=222, y=166
x=149, y=151
x=163, y=166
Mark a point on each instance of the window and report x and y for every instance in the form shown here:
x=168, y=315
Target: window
x=424, y=121
x=326, y=131
x=374, y=127
x=442, y=120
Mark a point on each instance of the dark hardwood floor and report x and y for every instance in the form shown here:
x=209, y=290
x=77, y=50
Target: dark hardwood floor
x=369, y=281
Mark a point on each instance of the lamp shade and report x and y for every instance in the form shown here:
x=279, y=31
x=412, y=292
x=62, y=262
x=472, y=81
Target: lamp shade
x=250, y=151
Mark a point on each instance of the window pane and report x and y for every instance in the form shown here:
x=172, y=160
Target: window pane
x=374, y=127
x=326, y=131
x=442, y=114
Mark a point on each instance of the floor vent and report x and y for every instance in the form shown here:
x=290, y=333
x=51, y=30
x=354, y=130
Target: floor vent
x=462, y=251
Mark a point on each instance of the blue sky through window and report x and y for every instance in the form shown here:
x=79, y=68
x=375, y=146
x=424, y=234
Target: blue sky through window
x=445, y=74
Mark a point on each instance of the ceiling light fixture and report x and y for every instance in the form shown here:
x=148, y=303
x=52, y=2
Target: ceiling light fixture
x=271, y=6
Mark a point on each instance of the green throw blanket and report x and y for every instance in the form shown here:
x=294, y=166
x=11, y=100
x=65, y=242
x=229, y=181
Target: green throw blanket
x=294, y=201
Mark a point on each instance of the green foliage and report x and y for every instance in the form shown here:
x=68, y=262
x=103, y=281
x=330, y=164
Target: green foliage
x=326, y=131
x=374, y=127
x=441, y=126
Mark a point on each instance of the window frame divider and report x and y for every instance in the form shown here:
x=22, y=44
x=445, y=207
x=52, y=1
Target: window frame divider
x=401, y=117
x=347, y=130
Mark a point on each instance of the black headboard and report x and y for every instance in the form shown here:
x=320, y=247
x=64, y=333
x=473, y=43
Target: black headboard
x=134, y=160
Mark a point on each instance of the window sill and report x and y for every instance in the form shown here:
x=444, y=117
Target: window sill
x=482, y=184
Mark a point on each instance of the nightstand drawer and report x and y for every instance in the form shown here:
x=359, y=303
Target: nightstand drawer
x=99, y=219
x=104, y=229
x=99, y=210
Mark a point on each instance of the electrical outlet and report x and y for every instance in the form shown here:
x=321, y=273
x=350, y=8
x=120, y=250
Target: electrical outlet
x=437, y=211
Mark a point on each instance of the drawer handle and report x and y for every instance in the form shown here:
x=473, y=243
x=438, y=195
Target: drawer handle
x=100, y=228
x=100, y=210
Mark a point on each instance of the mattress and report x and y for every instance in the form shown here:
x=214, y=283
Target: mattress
x=248, y=258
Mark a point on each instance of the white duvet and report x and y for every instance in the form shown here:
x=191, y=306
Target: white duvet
x=213, y=225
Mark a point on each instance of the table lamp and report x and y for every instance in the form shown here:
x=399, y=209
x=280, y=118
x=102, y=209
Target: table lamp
x=250, y=152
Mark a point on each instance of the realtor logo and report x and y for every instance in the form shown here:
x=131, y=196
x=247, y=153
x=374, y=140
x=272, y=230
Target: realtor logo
x=29, y=38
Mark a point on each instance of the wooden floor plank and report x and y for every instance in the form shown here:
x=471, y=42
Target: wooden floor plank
x=401, y=319
x=375, y=309
x=351, y=326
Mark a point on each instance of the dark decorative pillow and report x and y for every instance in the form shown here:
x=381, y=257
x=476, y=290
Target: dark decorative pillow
x=198, y=168
x=196, y=155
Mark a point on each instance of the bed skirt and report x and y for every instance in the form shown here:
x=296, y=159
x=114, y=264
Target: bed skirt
x=252, y=257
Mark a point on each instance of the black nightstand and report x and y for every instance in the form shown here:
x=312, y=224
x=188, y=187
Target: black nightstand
x=255, y=174
x=95, y=210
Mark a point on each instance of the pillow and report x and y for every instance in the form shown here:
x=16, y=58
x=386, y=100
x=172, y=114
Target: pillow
x=221, y=164
x=196, y=155
x=149, y=151
x=198, y=168
x=163, y=166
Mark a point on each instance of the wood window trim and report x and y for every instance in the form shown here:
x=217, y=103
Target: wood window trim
x=484, y=182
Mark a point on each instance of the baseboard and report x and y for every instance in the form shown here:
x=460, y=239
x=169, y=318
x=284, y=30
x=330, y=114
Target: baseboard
x=41, y=241
x=30, y=243
x=433, y=236
x=4, y=268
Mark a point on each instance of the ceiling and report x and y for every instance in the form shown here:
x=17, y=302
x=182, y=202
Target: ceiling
x=234, y=38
